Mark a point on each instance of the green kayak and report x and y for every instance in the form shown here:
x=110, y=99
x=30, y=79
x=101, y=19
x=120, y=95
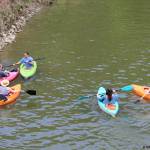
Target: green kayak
x=27, y=73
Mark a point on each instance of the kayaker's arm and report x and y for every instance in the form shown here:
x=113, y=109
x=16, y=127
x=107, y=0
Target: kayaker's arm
x=17, y=63
x=30, y=62
x=10, y=90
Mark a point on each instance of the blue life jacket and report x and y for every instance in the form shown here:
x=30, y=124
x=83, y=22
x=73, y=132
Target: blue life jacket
x=4, y=91
x=112, y=101
x=26, y=61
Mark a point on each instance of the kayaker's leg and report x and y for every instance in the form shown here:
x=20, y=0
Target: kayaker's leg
x=14, y=70
x=2, y=97
x=2, y=74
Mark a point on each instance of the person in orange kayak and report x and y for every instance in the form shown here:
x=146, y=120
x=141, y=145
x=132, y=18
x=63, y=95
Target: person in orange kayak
x=2, y=72
x=4, y=90
x=27, y=60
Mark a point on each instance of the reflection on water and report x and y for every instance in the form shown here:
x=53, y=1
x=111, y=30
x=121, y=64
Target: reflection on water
x=87, y=44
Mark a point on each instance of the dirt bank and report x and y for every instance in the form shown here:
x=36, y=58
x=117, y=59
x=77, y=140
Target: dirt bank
x=14, y=14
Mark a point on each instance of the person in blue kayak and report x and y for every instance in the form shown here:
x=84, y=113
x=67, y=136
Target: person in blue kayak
x=2, y=72
x=4, y=90
x=27, y=60
x=107, y=96
x=111, y=96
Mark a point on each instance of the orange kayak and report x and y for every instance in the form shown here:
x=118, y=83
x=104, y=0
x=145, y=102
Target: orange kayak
x=142, y=91
x=12, y=97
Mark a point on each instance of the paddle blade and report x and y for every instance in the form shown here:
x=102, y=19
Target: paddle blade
x=127, y=88
x=41, y=58
x=85, y=97
x=7, y=66
x=31, y=92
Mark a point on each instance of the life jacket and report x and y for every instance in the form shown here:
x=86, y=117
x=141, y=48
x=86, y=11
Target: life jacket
x=4, y=91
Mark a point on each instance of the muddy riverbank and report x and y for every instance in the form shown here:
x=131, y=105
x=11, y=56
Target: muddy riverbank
x=15, y=14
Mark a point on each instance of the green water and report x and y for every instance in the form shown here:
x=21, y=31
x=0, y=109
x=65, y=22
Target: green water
x=87, y=44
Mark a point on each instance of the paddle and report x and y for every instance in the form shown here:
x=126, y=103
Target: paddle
x=85, y=97
x=90, y=96
x=126, y=88
x=31, y=92
x=37, y=59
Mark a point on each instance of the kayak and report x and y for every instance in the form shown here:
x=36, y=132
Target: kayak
x=27, y=73
x=142, y=91
x=110, y=108
x=12, y=97
x=11, y=76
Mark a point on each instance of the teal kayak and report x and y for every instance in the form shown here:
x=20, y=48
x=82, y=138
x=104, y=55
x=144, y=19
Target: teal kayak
x=110, y=108
x=28, y=72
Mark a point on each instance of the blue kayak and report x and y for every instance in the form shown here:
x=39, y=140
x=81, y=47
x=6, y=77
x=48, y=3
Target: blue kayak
x=112, y=107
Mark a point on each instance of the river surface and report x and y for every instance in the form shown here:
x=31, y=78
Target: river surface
x=86, y=44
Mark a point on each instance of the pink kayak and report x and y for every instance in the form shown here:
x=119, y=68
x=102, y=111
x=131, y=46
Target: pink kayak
x=11, y=76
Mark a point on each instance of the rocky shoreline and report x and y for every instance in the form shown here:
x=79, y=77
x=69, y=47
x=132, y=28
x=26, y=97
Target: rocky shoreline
x=11, y=23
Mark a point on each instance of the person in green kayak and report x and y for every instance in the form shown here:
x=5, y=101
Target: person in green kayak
x=27, y=60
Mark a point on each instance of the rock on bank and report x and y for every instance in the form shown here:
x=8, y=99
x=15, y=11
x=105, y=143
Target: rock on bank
x=14, y=14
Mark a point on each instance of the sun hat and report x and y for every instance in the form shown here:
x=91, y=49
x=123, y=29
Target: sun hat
x=5, y=83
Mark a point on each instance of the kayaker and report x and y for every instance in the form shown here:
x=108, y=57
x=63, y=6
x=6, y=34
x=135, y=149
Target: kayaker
x=107, y=96
x=146, y=93
x=4, y=90
x=2, y=72
x=111, y=97
x=27, y=60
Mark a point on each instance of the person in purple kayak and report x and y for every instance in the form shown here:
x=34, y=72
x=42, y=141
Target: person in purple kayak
x=2, y=72
x=27, y=60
